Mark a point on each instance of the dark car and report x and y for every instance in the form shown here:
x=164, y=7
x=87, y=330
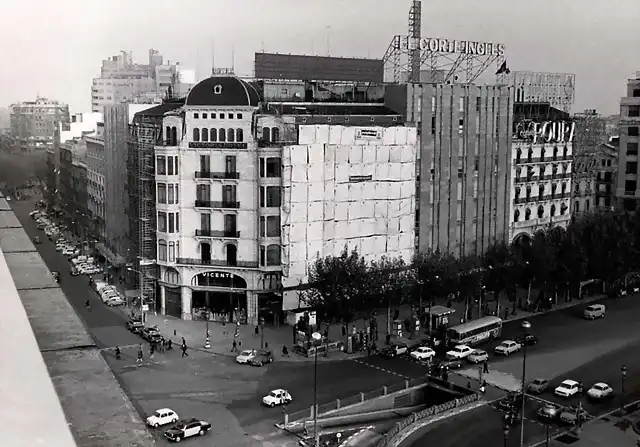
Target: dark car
x=548, y=412
x=449, y=364
x=394, y=350
x=36, y=240
x=186, y=429
x=528, y=340
x=135, y=326
x=262, y=357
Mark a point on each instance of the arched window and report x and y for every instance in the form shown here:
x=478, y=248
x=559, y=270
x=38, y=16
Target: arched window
x=239, y=135
x=172, y=276
x=196, y=134
x=516, y=215
x=167, y=136
x=162, y=250
x=213, y=134
x=221, y=135
x=553, y=210
x=174, y=136
x=275, y=134
x=527, y=214
x=273, y=255
x=518, y=155
x=540, y=212
x=231, y=135
x=266, y=134
x=205, y=134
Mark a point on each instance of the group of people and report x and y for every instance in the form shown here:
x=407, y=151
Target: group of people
x=160, y=345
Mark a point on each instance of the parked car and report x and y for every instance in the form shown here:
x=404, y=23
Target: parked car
x=507, y=347
x=548, y=412
x=459, y=352
x=478, y=356
x=117, y=301
x=149, y=332
x=538, y=386
x=449, y=364
x=571, y=415
x=423, y=353
x=568, y=388
x=163, y=416
x=277, y=397
x=600, y=391
x=186, y=429
x=262, y=357
x=135, y=326
x=594, y=311
x=394, y=350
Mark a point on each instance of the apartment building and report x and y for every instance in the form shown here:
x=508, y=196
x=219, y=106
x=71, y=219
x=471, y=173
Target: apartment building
x=33, y=124
x=244, y=188
x=628, y=187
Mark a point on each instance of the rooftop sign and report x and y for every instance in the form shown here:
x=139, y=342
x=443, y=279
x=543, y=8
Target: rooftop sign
x=437, y=45
x=545, y=132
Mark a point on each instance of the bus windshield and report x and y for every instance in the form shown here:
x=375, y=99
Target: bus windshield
x=475, y=331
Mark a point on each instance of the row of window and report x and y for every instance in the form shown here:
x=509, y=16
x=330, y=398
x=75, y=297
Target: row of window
x=552, y=211
x=543, y=153
x=212, y=116
x=167, y=165
x=270, y=196
x=230, y=164
x=168, y=251
x=541, y=169
x=168, y=222
x=541, y=188
x=270, y=134
x=218, y=135
x=168, y=193
x=230, y=222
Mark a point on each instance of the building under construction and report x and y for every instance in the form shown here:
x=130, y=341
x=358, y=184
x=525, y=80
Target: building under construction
x=145, y=134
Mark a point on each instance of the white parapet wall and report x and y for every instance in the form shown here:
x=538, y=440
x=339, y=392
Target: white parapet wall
x=346, y=186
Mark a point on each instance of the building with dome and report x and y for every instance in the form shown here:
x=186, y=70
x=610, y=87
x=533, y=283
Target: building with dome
x=248, y=193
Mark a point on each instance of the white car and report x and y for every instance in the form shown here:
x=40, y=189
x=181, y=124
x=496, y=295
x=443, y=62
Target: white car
x=507, y=347
x=423, y=353
x=567, y=388
x=459, y=352
x=163, y=416
x=116, y=301
x=599, y=391
x=245, y=356
x=478, y=356
x=109, y=296
x=277, y=397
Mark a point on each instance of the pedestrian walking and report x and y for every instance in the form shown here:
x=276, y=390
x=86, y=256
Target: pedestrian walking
x=163, y=344
x=184, y=342
x=151, y=353
x=266, y=345
x=169, y=345
x=485, y=367
x=224, y=328
x=184, y=351
x=140, y=355
x=117, y=352
x=234, y=346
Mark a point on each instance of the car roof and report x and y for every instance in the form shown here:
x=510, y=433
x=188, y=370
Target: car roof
x=569, y=382
x=600, y=384
x=507, y=341
x=278, y=390
x=164, y=410
x=540, y=379
x=479, y=351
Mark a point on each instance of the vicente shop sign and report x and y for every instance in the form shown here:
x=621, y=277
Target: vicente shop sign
x=545, y=132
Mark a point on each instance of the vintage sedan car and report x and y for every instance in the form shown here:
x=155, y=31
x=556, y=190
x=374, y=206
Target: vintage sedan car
x=423, y=353
x=567, y=388
x=571, y=415
x=262, y=357
x=163, y=416
x=459, y=352
x=600, y=391
x=277, y=397
x=528, y=340
x=548, y=412
x=394, y=350
x=507, y=347
x=478, y=356
x=135, y=326
x=538, y=386
x=186, y=429
x=245, y=356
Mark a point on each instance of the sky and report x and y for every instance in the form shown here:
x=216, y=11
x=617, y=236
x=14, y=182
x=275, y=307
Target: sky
x=55, y=48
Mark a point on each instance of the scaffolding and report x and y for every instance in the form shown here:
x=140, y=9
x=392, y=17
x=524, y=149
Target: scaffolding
x=146, y=133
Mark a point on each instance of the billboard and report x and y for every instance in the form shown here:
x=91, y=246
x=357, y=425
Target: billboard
x=317, y=68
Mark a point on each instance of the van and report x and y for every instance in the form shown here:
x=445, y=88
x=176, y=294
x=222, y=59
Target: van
x=595, y=311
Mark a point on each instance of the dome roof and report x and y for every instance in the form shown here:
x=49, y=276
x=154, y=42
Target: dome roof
x=223, y=91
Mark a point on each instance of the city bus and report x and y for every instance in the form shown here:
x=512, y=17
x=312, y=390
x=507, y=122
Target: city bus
x=477, y=331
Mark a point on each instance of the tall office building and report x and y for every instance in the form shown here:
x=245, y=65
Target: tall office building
x=464, y=167
x=628, y=187
x=33, y=124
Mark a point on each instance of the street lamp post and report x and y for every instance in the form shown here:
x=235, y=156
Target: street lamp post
x=623, y=376
x=316, y=337
x=506, y=434
x=525, y=328
x=261, y=322
x=207, y=341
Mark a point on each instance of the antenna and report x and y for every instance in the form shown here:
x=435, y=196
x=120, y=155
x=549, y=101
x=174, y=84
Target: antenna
x=233, y=58
x=213, y=57
x=263, y=45
x=328, y=40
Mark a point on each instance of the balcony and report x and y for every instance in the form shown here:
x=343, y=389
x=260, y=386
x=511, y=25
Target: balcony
x=216, y=204
x=528, y=160
x=217, y=263
x=218, y=175
x=217, y=233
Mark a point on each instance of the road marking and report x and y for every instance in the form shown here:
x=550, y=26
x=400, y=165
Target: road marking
x=382, y=369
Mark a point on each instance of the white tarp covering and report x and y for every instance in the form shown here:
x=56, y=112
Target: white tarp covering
x=352, y=186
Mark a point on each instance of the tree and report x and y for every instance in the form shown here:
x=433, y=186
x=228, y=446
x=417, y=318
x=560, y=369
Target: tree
x=338, y=287
x=392, y=280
